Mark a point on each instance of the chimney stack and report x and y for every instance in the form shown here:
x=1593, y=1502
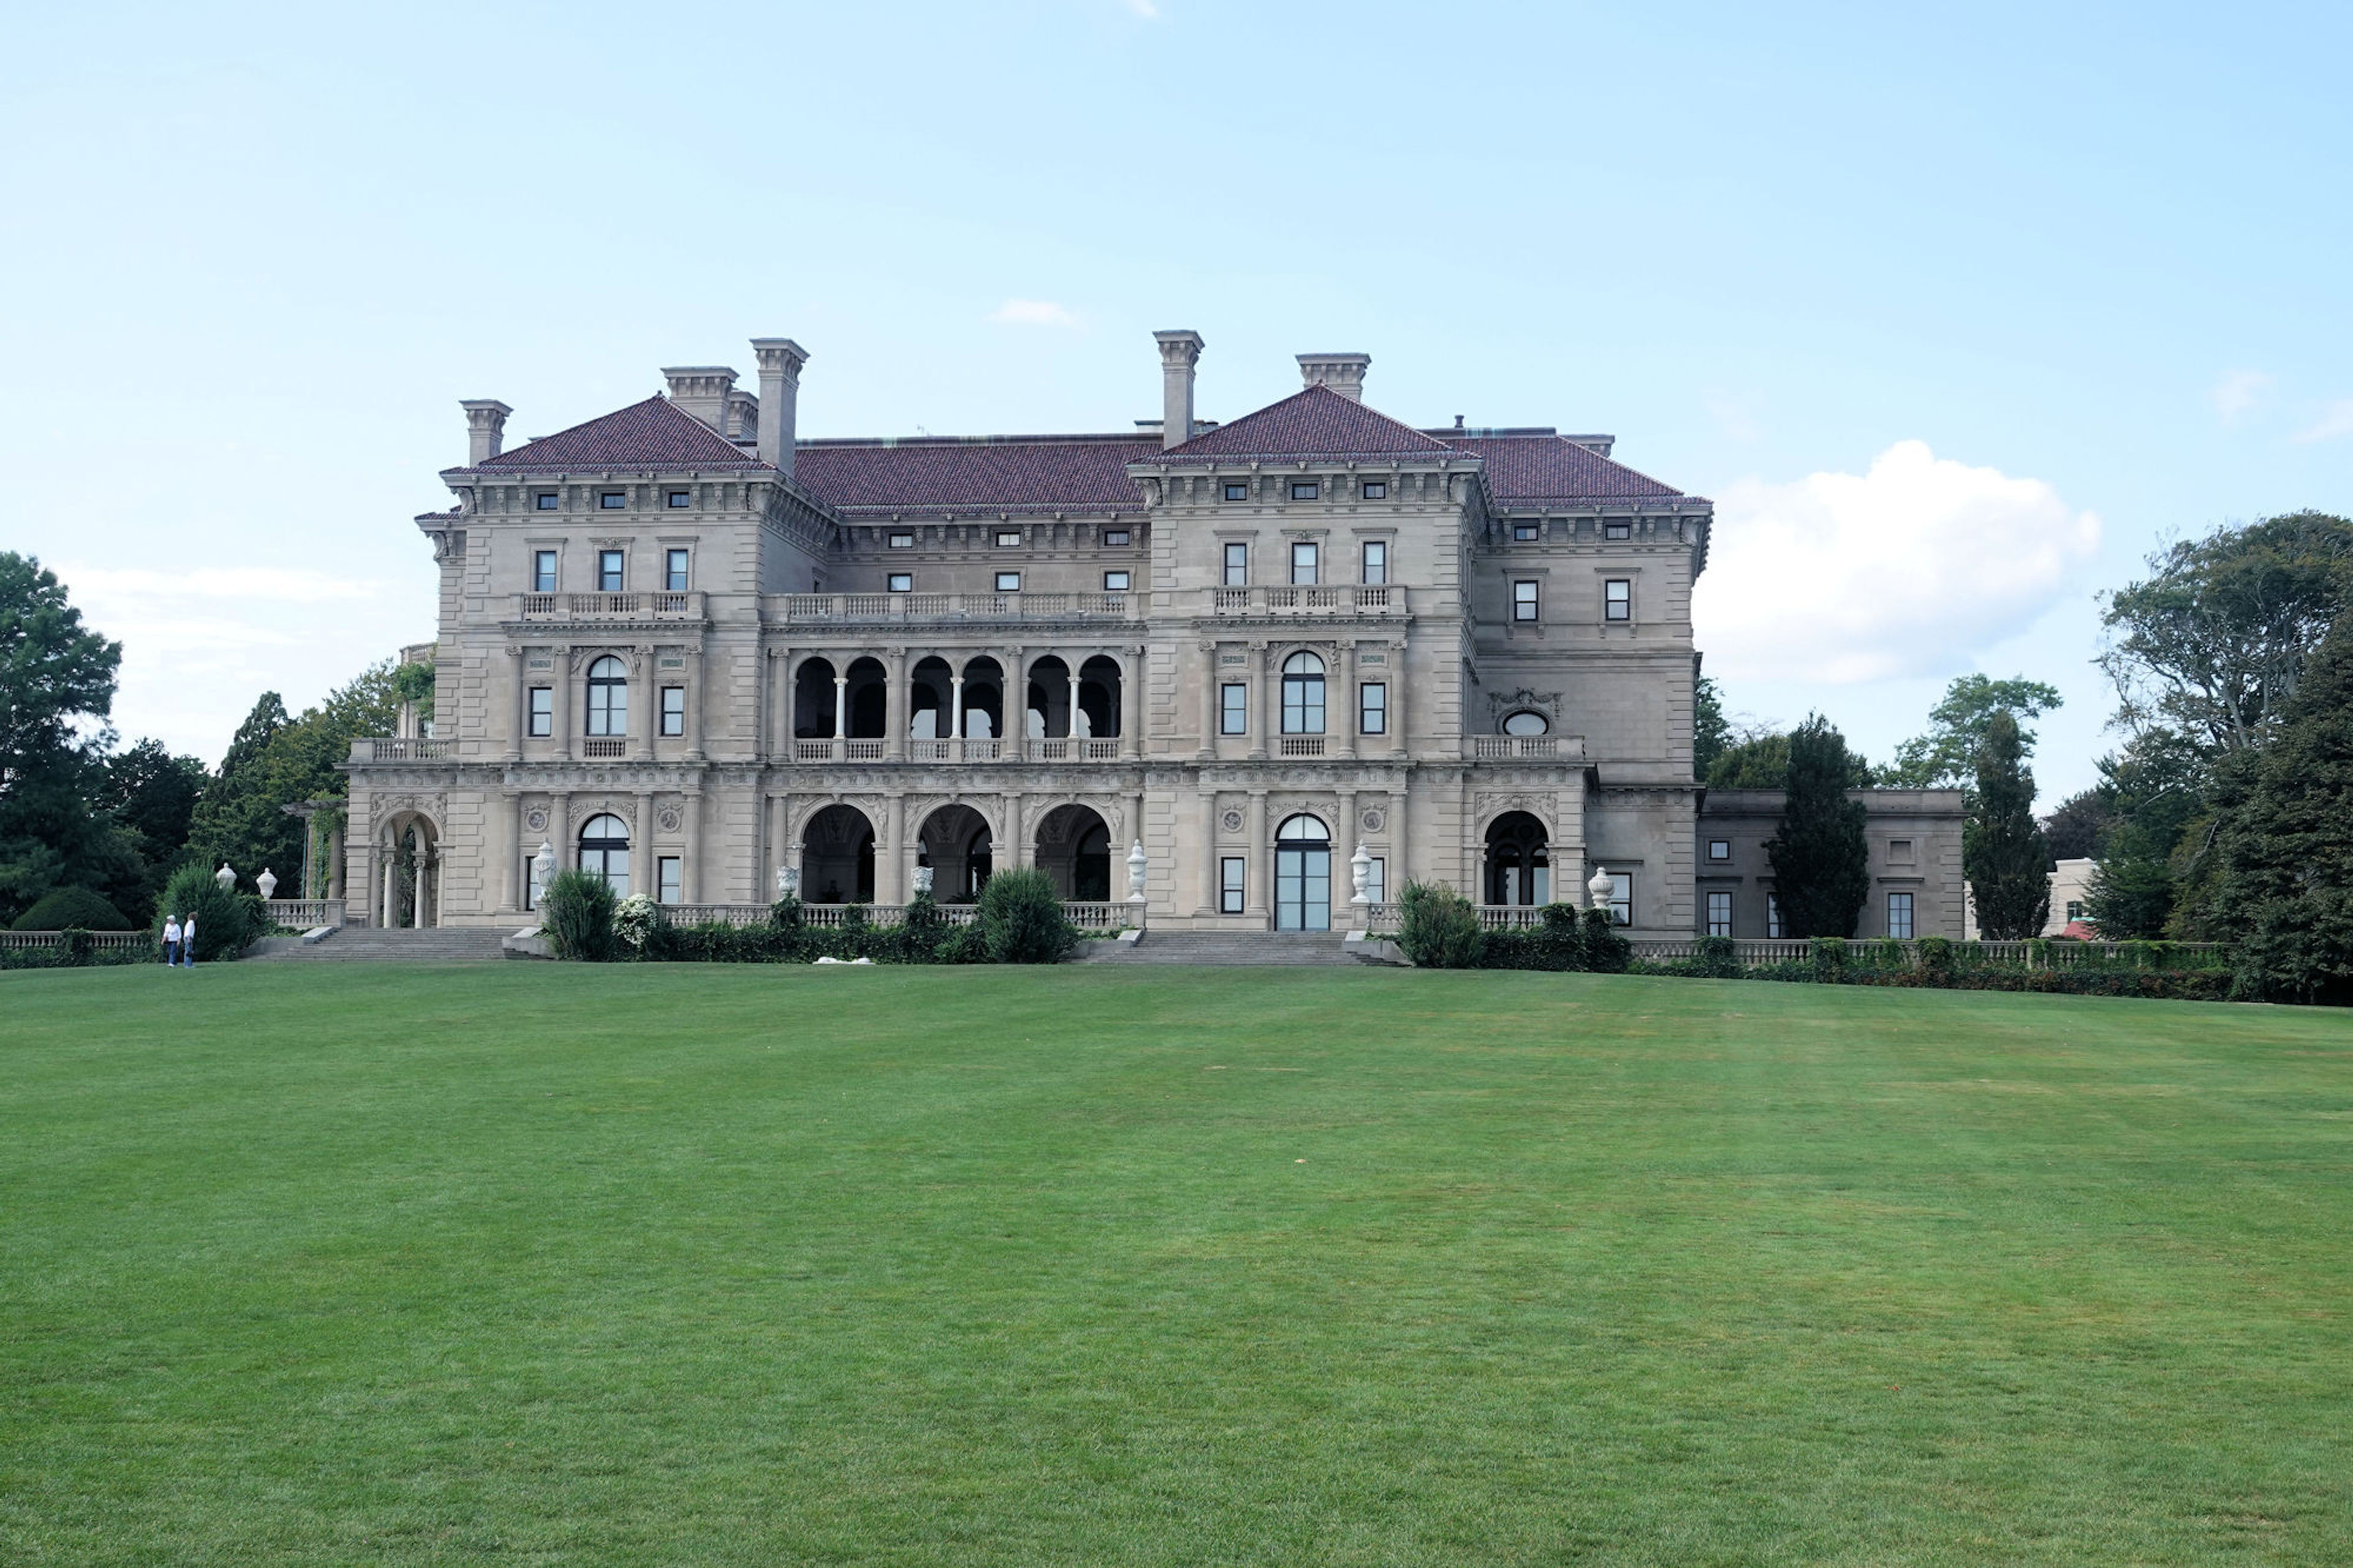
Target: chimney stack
x=780, y=383
x=486, y=428
x=743, y=426
x=1179, y=351
x=1343, y=374
x=702, y=390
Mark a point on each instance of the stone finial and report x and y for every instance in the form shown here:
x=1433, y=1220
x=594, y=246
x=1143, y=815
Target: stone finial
x=486, y=428
x=1343, y=374
x=1599, y=889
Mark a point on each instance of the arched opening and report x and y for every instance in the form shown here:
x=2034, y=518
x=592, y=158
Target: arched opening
x=869, y=699
x=1099, y=696
x=1303, y=874
x=838, y=857
x=928, y=687
x=605, y=851
x=1046, y=708
x=1302, y=695
x=813, y=701
x=1074, y=848
x=1525, y=723
x=1519, y=866
x=608, y=697
x=410, y=862
x=984, y=699
x=953, y=841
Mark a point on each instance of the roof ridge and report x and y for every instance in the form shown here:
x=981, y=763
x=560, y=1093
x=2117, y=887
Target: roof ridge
x=1315, y=421
x=651, y=433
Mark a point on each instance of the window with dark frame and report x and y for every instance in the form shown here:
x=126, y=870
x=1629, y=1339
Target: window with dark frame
x=1621, y=897
x=613, y=500
x=1008, y=538
x=1376, y=880
x=543, y=570
x=1719, y=914
x=1230, y=894
x=608, y=571
x=1373, y=708
x=673, y=711
x=1617, y=531
x=1114, y=582
x=1524, y=600
x=541, y=712
x=1115, y=537
x=902, y=541
x=608, y=697
x=1008, y=582
x=1899, y=916
x=1237, y=490
x=547, y=500
x=1773, y=930
x=903, y=582
x=1719, y=849
x=1618, y=599
x=681, y=500
x=1527, y=533
x=1306, y=490
x=1302, y=695
x=1304, y=558
x=674, y=570
x=1376, y=490
x=1237, y=572
x=1376, y=562
x=666, y=879
x=1233, y=709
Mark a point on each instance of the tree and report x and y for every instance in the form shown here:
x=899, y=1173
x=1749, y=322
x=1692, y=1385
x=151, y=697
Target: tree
x=275, y=761
x=2285, y=846
x=2002, y=849
x=1762, y=762
x=1822, y=864
x=56, y=686
x=1948, y=754
x=2073, y=829
x=1711, y=733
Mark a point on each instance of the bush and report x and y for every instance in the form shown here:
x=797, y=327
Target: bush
x=1605, y=952
x=75, y=908
x=785, y=914
x=226, y=920
x=576, y=913
x=74, y=950
x=921, y=930
x=1438, y=928
x=1827, y=956
x=638, y=921
x=1022, y=921
x=1714, y=958
x=1937, y=965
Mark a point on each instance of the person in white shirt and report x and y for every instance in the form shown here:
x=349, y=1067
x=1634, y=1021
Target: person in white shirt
x=189, y=941
x=171, y=942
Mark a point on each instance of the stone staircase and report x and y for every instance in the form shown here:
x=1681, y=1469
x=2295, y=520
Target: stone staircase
x=1256, y=947
x=434, y=944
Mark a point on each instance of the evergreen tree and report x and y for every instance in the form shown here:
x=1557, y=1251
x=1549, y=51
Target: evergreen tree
x=57, y=686
x=2073, y=829
x=1822, y=864
x=275, y=760
x=1711, y=733
x=2002, y=849
x=2286, y=843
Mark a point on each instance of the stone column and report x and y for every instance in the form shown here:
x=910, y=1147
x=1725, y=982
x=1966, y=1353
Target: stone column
x=694, y=695
x=780, y=847
x=900, y=888
x=1009, y=853
x=1133, y=707
x=1208, y=799
x=1344, y=659
x=1261, y=721
x=841, y=714
x=509, y=878
x=646, y=720
x=1397, y=681
x=955, y=705
x=641, y=847
x=1208, y=746
x=1345, y=832
x=518, y=711
x=1260, y=865
x=567, y=728
x=1013, y=735
x=336, y=869
x=896, y=704
x=1070, y=728
x=1399, y=874
x=690, y=856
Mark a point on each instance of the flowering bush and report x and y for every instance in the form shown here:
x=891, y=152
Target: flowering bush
x=635, y=920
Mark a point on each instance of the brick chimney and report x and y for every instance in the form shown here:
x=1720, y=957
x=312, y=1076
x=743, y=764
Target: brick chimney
x=702, y=390
x=1179, y=353
x=780, y=383
x=486, y=428
x=1343, y=374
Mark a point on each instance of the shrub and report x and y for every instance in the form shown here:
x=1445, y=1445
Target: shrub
x=1022, y=921
x=1888, y=955
x=1937, y=959
x=1605, y=952
x=963, y=944
x=636, y=922
x=1714, y=958
x=75, y=908
x=1827, y=956
x=786, y=913
x=1438, y=928
x=1561, y=939
x=921, y=929
x=576, y=913
x=853, y=917
x=226, y=920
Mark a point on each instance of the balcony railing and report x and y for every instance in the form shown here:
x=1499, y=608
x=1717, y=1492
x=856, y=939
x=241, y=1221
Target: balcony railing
x=971, y=749
x=803, y=608
x=666, y=606
x=386, y=749
x=1525, y=745
x=604, y=748
x=1320, y=599
x=1302, y=745
x=305, y=914
x=1109, y=916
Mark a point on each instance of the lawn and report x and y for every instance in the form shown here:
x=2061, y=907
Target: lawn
x=530, y=1263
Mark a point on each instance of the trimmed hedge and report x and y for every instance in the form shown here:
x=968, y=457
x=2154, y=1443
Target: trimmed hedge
x=73, y=909
x=74, y=950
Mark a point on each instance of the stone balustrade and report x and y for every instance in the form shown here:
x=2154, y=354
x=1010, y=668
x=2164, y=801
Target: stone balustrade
x=822, y=609
x=305, y=914
x=1350, y=599
x=639, y=606
x=399, y=748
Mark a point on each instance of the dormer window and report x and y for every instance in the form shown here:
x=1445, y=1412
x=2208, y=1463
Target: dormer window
x=1236, y=490
x=902, y=541
x=613, y=500
x=1376, y=490
x=545, y=500
x=1305, y=489
x=1008, y=538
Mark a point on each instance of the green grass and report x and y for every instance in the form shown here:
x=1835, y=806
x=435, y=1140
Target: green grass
x=544, y=1264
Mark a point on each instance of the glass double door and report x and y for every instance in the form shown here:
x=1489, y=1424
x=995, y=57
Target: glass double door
x=1303, y=887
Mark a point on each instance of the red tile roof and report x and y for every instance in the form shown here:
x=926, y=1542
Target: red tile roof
x=1524, y=469
x=1315, y=422
x=655, y=434
x=1000, y=473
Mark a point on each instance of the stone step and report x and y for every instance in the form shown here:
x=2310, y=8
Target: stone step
x=1257, y=949
x=360, y=942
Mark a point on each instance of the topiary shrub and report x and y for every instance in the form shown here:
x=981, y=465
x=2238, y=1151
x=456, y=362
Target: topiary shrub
x=1714, y=958
x=576, y=913
x=1438, y=928
x=1605, y=952
x=75, y=908
x=226, y=920
x=1022, y=921
x=1827, y=956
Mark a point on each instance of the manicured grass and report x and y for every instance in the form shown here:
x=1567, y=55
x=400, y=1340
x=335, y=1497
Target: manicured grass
x=544, y=1264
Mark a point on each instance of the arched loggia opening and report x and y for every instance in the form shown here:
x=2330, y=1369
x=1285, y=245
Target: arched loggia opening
x=1519, y=865
x=1047, y=708
x=868, y=699
x=838, y=857
x=984, y=699
x=1074, y=849
x=953, y=841
x=1099, y=697
x=813, y=701
x=410, y=861
x=929, y=687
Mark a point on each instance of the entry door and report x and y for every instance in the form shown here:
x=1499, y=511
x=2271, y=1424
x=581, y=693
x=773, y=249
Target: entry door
x=1303, y=887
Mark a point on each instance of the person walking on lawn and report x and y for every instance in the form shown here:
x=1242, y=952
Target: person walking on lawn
x=189, y=941
x=170, y=941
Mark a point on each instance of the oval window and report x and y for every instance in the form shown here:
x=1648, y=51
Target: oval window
x=1526, y=723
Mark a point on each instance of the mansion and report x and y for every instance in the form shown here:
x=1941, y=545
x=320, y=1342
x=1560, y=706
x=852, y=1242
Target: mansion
x=683, y=646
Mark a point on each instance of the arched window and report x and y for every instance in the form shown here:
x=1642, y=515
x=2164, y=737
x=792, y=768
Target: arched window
x=1302, y=695
x=608, y=700
x=604, y=852
x=1303, y=830
x=1526, y=723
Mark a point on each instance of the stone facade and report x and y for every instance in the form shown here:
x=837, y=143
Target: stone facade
x=681, y=645
x=1914, y=841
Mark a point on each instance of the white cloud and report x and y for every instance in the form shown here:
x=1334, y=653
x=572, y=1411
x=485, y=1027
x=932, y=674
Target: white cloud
x=2336, y=420
x=2239, y=391
x=1904, y=570
x=1144, y=8
x=1033, y=313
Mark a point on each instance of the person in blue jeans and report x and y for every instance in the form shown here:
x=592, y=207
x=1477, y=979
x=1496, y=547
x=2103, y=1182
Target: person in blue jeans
x=171, y=942
x=189, y=941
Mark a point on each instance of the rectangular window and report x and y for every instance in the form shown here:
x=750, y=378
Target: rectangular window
x=1114, y=582
x=1229, y=885
x=1007, y=538
x=902, y=541
x=903, y=582
x=608, y=571
x=1303, y=564
x=1618, y=599
x=1237, y=563
x=1719, y=914
x=613, y=500
x=1719, y=849
x=674, y=570
x=1524, y=601
x=1376, y=880
x=1621, y=897
x=1237, y=490
x=1373, y=708
x=1899, y=916
x=1617, y=531
x=1306, y=490
x=543, y=570
x=1233, y=707
x=1527, y=533
x=666, y=879
x=1114, y=537
x=546, y=500
x=681, y=500
x=1773, y=917
x=542, y=711
x=2074, y=909
x=1008, y=582
x=1376, y=562
x=673, y=710
x=1376, y=490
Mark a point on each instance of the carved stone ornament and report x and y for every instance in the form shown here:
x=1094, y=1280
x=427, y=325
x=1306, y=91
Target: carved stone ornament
x=536, y=819
x=671, y=818
x=1491, y=806
x=1545, y=702
x=1374, y=818
x=1232, y=821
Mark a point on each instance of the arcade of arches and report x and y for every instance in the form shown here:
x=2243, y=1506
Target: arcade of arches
x=1077, y=697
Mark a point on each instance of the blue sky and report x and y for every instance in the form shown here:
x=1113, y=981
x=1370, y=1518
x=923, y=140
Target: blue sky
x=1955, y=314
